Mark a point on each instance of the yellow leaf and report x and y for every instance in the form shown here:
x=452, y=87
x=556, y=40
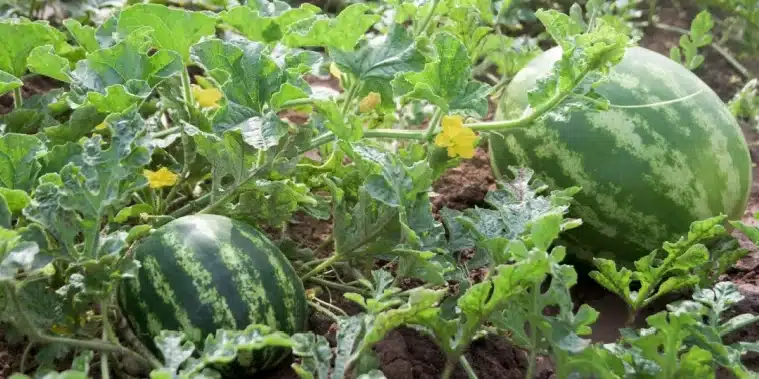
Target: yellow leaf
x=101, y=126
x=161, y=178
x=335, y=71
x=206, y=97
x=369, y=102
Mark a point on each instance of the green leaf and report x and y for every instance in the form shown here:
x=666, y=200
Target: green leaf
x=421, y=309
x=61, y=155
x=20, y=37
x=587, y=56
x=230, y=345
x=341, y=32
x=80, y=124
x=272, y=202
x=287, y=93
x=174, y=29
x=83, y=34
x=699, y=36
x=249, y=77
x=62, y=224
x=9, y=82
x=44, y=61
x=132, y=211
x=114, y=78
x=174, y=349
x=658, y=275
x=27, y=121
x=24, y=257
x=447, y=81
x=107, y=177
x=315, y=353
x=267, y=21
x=5, y=214
x=517, y=207
x=19, y=165
x=332, y=118
x=91, y=184
x=228, y=155
x=397, y=54
x=16, y=200
x=349, y=331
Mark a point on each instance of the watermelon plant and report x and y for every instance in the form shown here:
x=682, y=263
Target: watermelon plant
x=150, y=202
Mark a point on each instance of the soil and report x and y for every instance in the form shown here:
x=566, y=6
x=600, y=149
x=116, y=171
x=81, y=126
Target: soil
x=406, y=353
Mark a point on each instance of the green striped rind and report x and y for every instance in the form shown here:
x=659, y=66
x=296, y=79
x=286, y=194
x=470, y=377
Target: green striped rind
x=201, y=273
x=646, y=173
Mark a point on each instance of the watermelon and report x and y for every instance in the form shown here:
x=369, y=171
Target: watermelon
x=206, y=272
x=646, y=173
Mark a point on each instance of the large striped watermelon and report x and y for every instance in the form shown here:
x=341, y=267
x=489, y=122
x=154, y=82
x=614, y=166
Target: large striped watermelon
x=646, y=172
x=205, y=272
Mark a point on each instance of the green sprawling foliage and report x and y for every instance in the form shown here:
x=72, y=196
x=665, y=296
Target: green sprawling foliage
x=130, y=141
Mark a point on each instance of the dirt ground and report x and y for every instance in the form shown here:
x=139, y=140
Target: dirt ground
x=404, y=353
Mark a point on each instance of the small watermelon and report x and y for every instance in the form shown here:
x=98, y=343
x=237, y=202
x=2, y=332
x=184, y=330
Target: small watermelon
x=647, y=170
x=206, y=272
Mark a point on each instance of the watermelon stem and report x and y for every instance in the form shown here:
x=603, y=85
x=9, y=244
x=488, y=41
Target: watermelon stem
x=34, y=334
x=18, y=98
x=524, y=120
x=426, y=22
x=105, y=372
x=337, y=286
x=432, y=126
x=321, y=267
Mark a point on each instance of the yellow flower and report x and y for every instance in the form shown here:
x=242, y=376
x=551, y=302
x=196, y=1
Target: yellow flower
x=160, y=178
x=206, y=97
x=369, y=102
x=458, y=139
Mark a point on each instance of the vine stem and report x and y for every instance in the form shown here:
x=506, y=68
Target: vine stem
x=450, y=365
x=25, y=357
x=337, y=286
x=321, y=267
x=432, y=126
x=18, y=98
x=35, y=335
x=185, y=166
x=352, y=92
x=165, y=132
x=105, y=372
x=324, y=310
x=557, y=98
x=426, y=21
x=533, y=333
x=467, y=367
x=524, y=120
x=297, y=103
x=186, y=86
x=371, y=133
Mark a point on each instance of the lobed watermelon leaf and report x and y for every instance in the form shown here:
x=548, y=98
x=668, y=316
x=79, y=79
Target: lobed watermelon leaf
x=115, y=78
x=174, y=29
x=447, y=81
x=342, y=32
x=268, y=21
x=659, y=275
